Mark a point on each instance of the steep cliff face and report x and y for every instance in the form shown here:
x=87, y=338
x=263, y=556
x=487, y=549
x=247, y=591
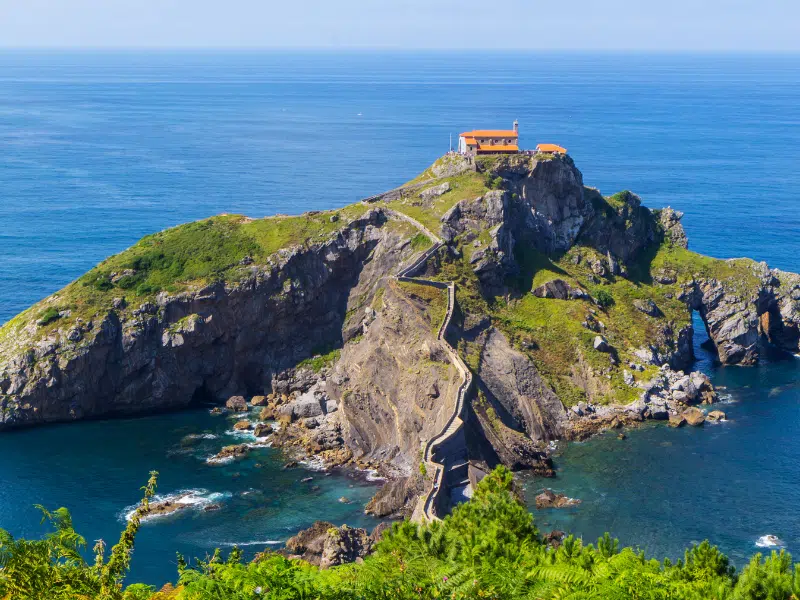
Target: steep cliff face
x=396, y=385
x=202, y=345
x=549, y=207
x=742, y=312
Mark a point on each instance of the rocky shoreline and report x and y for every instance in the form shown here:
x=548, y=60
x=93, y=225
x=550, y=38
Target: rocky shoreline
x=571, y=310
x=671, y=396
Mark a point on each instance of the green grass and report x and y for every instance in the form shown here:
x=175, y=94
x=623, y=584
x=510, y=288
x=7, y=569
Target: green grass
x=467, y=185
x=319, y=361
x=551, y=331
x=421, y=242
x=48, y=316
x=185, y=257
x=435, y=299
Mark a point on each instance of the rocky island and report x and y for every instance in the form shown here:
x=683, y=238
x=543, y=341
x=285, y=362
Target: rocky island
x=465, y=320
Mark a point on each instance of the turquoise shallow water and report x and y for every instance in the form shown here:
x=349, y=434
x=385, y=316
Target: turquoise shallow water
x=96, y=469
x=662, y=489
x=99, y=149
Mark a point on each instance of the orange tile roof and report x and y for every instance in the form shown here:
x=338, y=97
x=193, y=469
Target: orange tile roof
x=491, y=133
x=470, y=141
x=551, y=148
x=498, y=148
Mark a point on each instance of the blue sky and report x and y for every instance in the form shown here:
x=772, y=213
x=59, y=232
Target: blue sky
x=663, y=25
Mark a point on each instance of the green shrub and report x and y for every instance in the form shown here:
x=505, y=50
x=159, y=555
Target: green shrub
x=48, y=316
x=604, y=298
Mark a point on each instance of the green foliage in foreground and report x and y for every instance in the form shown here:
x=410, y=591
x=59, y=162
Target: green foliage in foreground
x=488, y=548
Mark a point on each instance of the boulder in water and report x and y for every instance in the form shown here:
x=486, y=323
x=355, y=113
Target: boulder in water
x=694, y=417
x=237, y=404
x=549, y=499
x=234, y=451
x=677, y=420
x=262, y=429
x=243, y=425
x=716, y=415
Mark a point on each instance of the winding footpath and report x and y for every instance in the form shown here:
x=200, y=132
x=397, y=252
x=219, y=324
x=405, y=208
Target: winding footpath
x=436, y=464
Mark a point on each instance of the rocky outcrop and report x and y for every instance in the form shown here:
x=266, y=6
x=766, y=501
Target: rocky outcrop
x=694, y=417
x=620, y=227
x=326, y=545
x=434, y=191
x=741, y=312
x=549, y=499
x=549, y=207
x=491, y=261
x=396, y=498
x=559, y=290
x=670, y=221
x=203, y=345
x=516, y=391
x=236, y=404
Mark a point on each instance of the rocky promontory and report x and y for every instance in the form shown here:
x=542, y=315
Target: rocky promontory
x=570, y=309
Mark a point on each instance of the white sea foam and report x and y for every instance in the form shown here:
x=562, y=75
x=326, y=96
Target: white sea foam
x=259, y=444
x=769, y=541
x=217, y=460
x=195, y=498
x=315, y=463
x=372, y=474
x=255, y=543
x=200, y=436
x=725, y=399
x=246, y=434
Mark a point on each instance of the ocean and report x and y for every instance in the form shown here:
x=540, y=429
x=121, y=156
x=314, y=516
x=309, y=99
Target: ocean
x=99, y=149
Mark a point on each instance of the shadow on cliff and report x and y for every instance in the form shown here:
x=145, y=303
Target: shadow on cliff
x=529, y=262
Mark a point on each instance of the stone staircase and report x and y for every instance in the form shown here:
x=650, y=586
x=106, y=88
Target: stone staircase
x=444, y=455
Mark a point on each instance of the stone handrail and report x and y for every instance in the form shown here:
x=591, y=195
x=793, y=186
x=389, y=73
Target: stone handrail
x=454, y=422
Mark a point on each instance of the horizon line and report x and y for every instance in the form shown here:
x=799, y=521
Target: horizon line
x=398, y=49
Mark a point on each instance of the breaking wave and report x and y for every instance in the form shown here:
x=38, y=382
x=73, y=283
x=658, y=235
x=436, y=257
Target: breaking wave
x=769, y=541
x=256, y=543
x=195, y=499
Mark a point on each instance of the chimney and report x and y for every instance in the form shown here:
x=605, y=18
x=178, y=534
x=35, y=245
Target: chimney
x=516, y=126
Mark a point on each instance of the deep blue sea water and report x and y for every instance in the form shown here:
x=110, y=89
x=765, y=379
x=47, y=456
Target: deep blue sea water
x=99, y=149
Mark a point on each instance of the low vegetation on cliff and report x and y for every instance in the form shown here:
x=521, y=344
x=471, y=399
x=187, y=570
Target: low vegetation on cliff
x=189, y=256
x=487, y=548
x=572, y=310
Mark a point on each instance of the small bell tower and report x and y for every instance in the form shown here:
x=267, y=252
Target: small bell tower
x=516, y=126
